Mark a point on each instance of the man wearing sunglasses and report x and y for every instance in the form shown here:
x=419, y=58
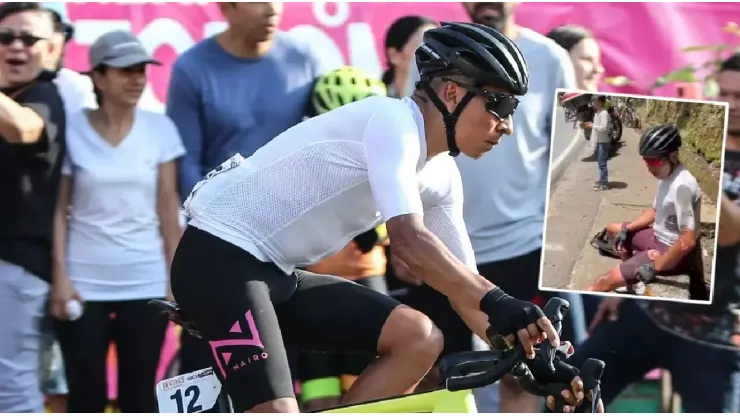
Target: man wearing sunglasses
x=661, y=238
x=306, y=193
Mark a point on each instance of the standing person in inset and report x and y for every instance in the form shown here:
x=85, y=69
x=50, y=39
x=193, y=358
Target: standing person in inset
x=77, y=93
x=401, y=40
x=603, y=140
x=116, y=230
x=232, y=93
x=32, y=147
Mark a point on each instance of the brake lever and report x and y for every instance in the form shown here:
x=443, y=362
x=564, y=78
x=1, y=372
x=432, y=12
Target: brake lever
x=555, y=310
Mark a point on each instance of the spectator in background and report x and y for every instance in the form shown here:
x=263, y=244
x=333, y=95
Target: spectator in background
x=32, y=147
x=505, y=217
x=584, y=53
x=233, y=93
x=401, y=41
x=119, y=189
x=77, y=93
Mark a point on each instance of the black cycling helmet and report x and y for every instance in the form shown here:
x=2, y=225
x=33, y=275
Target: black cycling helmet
x=475, y=51
x=660, y=141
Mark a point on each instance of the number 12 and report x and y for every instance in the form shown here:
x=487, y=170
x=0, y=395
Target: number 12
x=193, y=391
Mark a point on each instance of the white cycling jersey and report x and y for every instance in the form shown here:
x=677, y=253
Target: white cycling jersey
x=304, y=195
x=677, y=206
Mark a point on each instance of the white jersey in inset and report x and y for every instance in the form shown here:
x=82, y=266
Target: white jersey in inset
x=305, y=194
x=677, y=206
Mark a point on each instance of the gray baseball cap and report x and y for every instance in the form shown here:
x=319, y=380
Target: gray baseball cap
x=119, y=49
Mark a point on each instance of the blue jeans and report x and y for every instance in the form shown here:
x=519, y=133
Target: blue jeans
x=706, y=377
x=602, y=156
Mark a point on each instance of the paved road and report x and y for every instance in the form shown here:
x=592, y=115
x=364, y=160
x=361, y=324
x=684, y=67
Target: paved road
x=564, y=133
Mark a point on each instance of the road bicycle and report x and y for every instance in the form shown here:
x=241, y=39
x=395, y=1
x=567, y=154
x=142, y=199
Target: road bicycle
x=460, y=374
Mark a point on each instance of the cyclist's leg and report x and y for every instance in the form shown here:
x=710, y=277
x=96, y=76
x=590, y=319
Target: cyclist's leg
x=229, y=295
x=333, y=314
x=139, y=333
x=351, y=365
x=457, y=336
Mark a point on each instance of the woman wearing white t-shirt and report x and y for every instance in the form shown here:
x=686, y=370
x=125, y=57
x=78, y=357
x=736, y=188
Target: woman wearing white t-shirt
x=116, y=230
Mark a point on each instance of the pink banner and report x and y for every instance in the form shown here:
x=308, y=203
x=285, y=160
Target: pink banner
x=639, y=40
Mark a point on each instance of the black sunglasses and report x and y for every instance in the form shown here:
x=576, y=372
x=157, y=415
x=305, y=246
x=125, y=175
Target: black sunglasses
x=500, y=105
x=27, y=39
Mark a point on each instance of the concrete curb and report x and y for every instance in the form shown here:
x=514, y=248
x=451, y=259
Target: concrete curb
x=573, y=149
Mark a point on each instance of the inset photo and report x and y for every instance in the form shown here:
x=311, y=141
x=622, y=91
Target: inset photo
x=632, y=201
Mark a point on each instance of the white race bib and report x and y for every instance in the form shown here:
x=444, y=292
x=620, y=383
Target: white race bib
x=189, y=393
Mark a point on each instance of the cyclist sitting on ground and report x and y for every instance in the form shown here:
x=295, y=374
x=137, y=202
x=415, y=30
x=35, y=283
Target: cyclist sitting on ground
x=661, y=238
x=324, y=376
x=305, y=194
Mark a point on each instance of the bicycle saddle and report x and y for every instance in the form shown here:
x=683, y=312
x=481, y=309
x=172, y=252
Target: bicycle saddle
x=175, y=314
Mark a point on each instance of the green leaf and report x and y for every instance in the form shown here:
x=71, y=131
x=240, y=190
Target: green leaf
x=680, y=75
x=618, y=81
x=706, y=48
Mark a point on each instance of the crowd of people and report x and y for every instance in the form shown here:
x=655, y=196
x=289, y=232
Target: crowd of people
x=94, y=187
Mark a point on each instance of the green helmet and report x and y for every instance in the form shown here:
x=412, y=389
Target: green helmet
x=343, y=86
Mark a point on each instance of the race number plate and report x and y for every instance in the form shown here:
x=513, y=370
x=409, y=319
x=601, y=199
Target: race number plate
x=189, y=393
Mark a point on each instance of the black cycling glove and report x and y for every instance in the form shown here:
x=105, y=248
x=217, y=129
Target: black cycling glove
x=623, y=237
x=507, y=315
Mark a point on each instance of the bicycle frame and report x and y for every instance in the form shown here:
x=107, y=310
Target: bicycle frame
x=436, y=401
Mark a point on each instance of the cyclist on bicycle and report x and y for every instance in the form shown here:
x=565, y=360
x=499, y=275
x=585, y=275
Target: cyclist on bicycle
x=305, y=194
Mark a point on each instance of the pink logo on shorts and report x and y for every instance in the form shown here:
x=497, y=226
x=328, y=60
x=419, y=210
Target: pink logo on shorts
x=221, y=349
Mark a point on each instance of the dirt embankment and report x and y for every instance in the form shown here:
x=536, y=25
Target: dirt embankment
x=702, y=129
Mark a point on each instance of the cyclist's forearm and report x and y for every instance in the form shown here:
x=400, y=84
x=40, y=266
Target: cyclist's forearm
x=428, y=258
x=645, y=220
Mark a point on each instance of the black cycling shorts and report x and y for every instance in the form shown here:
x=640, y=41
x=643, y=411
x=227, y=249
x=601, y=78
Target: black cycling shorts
x=249, y=311
x=319, y=365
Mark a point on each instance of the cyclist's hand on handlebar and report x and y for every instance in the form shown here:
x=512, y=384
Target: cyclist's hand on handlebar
x=516, y=318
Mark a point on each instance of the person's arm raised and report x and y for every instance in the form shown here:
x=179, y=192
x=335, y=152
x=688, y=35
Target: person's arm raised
x=24, y=124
